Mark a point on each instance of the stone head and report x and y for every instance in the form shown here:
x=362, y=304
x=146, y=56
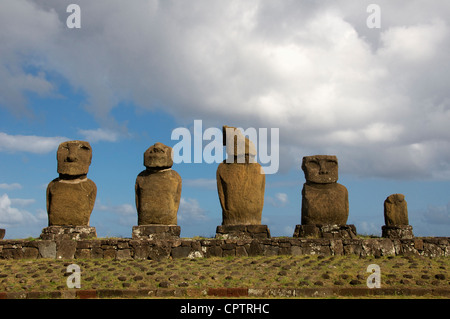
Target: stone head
x=158, y=156
x=237, y=145
x=74, y=158
x=320, y=169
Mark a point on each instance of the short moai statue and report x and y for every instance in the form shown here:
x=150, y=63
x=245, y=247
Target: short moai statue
x=71, y=196
x=325, y=205
x=396, y=218
x=158, y=194
x=240, y=185
x=2, y=233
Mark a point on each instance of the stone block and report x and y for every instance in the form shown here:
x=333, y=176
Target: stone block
x=47, y=249
x=241, y=232
x=123, y=254
x=30, y=252
x=325, y=231
x=66, y=249
x=397, y=232
x=156, y=232
x=68, y=233
x=181, y=252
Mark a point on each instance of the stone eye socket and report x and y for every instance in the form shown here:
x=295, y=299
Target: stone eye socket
x=313, y=164
x=331, y=163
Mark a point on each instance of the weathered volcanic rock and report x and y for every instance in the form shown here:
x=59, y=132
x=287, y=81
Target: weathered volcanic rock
x=324, y=201
x=71, y=196
x=324, y=204
x=241, y=193
x=395, y=210
x=320, y=169
x=240, y=181
x=158, y=188
x=70, y=202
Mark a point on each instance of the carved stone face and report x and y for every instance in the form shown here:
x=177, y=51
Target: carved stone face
x=237, y=145
x=320, y=169
x=74, y=158
x=158, y=156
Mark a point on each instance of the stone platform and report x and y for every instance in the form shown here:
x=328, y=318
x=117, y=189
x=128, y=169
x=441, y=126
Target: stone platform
x=68, y=232
x=242, y=232
x=127, y=248
x=325, y=231
x=156, y=232
x=397, y=232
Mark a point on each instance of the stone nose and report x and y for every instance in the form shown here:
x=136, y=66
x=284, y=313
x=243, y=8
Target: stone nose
x=71, y=158
x=323, y=170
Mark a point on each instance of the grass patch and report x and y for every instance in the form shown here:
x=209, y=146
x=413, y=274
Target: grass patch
x=232, y=272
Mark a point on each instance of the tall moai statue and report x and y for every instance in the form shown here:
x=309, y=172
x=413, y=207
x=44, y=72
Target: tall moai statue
x=325, y=205
x=240, y=185
x=71, y=196
x=158, y=194
x=396, y=218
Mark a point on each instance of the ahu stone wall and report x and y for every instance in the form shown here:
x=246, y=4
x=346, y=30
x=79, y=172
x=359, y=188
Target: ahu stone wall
x=125, y=248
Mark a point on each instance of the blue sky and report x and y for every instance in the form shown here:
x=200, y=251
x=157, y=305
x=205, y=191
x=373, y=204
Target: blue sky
x=377, y=98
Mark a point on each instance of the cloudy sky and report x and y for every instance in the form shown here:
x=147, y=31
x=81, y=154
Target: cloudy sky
x=322, y=73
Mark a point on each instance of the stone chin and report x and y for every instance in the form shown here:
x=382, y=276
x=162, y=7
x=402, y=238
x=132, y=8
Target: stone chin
x=158, y=162
x=73, y=169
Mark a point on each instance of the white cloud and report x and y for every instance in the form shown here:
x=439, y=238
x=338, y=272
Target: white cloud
x=437, y=215
x=99, y=134
x=190, y=211
x=10, y=186
x=41, y=214
x=22, y=202
x=313, y=70
x=29, y=143
x=123, y=209
x=206, y=183
x=279, y=200
x=11, y=216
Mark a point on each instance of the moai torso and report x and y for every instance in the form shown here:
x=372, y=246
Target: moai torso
x=158, y=188
x=396, y=210
x=241, y=183
x=324, y=201
x=71, y=196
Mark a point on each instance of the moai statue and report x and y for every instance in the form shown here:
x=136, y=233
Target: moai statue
x=240, y=185
x=71, y=196
x=325, y=206
x=396, y=218
x=2, y=233
x=158, y=194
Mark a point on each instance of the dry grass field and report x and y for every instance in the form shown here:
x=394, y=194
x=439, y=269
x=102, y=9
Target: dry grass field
x=307, y=271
